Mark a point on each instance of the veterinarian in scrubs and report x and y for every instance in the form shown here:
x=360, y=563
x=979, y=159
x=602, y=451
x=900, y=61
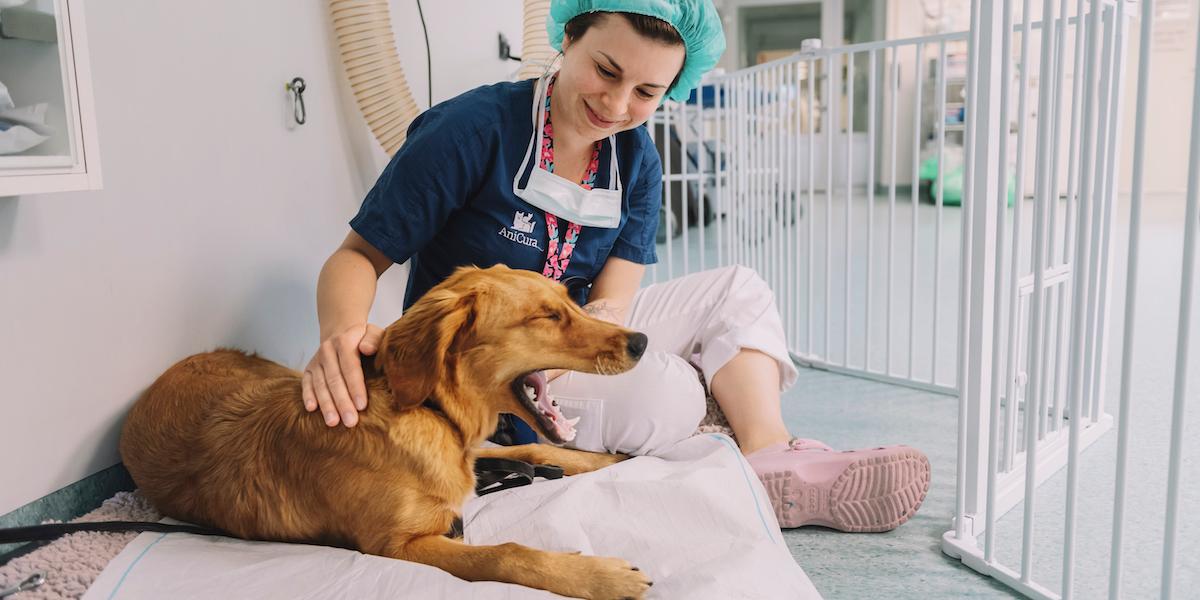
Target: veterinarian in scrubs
x=558, y=175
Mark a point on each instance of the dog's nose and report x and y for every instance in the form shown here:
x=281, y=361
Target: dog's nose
x=637, y=344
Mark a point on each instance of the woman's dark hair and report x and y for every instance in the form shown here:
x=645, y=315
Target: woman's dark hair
x=648, y=27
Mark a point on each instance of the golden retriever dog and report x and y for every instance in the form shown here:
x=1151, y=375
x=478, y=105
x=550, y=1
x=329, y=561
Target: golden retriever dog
x=222, y=438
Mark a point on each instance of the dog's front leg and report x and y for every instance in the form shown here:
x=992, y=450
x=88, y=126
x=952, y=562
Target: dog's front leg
x=573, y=574
x=573, y=462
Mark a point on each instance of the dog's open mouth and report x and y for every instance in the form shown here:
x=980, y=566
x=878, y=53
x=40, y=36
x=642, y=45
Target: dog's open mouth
x=533, y=391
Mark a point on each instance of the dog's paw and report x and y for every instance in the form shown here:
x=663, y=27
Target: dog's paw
x=604, y=578
x=574, y=462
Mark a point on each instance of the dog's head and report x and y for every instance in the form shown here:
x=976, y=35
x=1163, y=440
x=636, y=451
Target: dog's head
x=486, y=335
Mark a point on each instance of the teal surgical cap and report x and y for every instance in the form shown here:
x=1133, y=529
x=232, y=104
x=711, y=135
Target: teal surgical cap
x=696, y=21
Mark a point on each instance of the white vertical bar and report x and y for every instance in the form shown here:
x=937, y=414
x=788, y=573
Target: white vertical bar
x=1074, y=145
x=1051, y=29
x=793, y=197
x=916, y=194
x=891, y=253
x=1037, y=319
x=1091, y=350
x=651, y=126
x=1131, y=280
x=1182, y=344
x=849, y=245
x=745, y=208
x=939, y=204
x=720, y=165
x=767, y=166
x=831, y=99
x=990, y=516
x=743, y=188
x=791, y=84
x=1114, y=92
x=760, y=170
x=685, y=192
x=1079, y=294
x=1061, y=289
x=701, y=155
x=871, y=87
x=1045, y=161
x=768, y=180
x=733, y=172
x=763, y=165
x=812, y=177
x=960, y=481
x=741, y=119
x=732, y=188
x=1014, y=323
x=982, y=174
x=753, y=167
x=778, y=199
x=684, y=189
x=800, y=127
x=667, y=138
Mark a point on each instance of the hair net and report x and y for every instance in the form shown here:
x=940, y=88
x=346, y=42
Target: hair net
x=696, y=21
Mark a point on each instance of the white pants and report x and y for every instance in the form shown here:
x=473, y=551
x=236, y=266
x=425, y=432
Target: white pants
x=703, y=319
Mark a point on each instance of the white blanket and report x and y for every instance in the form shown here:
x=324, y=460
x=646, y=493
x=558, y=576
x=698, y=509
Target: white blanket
x=696, y=520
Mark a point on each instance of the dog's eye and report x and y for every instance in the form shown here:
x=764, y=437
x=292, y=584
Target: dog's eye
x=552, y=316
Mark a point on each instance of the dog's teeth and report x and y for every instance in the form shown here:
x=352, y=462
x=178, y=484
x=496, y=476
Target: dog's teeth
x=572, y=422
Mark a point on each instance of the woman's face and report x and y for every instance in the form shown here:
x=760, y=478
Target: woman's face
x=612, y=79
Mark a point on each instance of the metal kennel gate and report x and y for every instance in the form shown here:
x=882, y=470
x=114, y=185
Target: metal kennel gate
x=833, y=171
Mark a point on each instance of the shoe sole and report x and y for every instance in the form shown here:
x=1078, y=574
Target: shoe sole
x=873, y=494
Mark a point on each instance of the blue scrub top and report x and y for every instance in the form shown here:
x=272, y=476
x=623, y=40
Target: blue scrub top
x=446, y=200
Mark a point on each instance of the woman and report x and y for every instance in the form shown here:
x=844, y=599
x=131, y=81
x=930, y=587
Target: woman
x=558, y=175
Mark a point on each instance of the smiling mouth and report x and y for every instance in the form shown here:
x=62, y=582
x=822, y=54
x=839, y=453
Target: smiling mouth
x=595, y=118
x=532, y=391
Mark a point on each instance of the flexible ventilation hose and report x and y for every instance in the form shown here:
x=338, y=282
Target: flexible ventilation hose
x=364, y=36
x=536, y=53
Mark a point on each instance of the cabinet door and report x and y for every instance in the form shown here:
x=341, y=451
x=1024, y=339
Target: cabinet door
x=47, y=118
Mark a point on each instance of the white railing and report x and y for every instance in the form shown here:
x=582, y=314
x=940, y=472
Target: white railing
x=815, y=170
x=770, y=155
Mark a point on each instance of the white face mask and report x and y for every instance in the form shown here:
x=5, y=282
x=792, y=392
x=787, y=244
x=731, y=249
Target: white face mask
x=562, y=198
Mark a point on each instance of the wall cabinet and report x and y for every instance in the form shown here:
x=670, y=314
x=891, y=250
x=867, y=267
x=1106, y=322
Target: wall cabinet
x=47, y=115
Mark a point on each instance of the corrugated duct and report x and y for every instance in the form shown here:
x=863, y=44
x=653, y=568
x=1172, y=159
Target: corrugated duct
x=364, y=35
x=536, y=53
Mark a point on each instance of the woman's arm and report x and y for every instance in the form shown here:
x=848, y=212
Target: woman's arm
x=333, y=380
x=612, y=294
x=613, y=290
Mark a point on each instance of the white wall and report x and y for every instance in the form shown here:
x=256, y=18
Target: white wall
x=215, y=217
x=1172, y=73
x=729, y=18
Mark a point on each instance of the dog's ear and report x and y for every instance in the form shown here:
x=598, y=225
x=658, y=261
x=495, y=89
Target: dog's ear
x=416, y=349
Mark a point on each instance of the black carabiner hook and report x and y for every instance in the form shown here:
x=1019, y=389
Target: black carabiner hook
x=297, y=87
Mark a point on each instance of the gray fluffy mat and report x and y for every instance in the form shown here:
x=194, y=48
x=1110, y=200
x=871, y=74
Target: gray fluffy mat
x=73, y=562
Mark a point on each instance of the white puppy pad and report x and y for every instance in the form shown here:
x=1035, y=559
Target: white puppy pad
x=695, y=519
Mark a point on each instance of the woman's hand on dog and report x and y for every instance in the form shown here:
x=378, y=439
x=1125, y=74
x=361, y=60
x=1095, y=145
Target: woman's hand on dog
x=333, y=380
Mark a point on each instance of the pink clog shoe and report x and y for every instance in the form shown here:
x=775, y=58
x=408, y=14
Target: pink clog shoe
x=866, y=490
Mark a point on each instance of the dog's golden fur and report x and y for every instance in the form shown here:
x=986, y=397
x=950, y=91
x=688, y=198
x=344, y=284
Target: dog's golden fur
x=222, y=439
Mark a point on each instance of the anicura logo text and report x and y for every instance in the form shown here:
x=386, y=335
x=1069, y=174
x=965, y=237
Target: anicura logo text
x=520, y=238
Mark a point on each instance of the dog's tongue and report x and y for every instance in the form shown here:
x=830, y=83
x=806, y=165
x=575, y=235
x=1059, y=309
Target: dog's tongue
x=564, y=427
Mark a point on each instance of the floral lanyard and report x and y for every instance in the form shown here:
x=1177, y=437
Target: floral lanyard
x=557, y=258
